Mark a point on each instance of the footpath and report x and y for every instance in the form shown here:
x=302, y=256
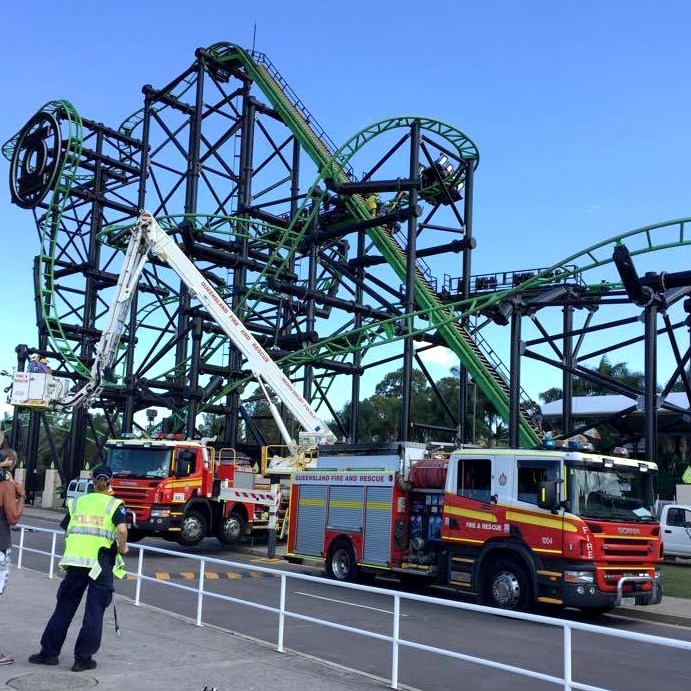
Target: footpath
x=156, y=650
x=160, y=650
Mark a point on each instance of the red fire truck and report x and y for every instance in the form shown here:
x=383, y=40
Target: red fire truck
x=187, y=490
x=515, y=527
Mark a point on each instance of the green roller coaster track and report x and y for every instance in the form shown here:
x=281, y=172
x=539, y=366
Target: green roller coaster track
x=446, y=318
x=50, y=223
x=335, y=166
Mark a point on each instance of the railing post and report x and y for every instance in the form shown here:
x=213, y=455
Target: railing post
x=200, y=591
x=21, y=548
x=271, y=536
x=281, y=612
x=140, y=571
x=394, y=642
x=52, y=555
x=567, y=658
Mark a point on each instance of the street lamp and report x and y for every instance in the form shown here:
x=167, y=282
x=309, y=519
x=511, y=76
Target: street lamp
x=151, y=414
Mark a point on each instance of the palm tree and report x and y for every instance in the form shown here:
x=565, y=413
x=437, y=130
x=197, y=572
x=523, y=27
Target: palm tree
x=618, y=373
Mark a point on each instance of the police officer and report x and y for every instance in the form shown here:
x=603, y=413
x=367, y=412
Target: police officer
x=96, y=538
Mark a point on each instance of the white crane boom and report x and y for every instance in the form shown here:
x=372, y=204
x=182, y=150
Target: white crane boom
x=149, y=238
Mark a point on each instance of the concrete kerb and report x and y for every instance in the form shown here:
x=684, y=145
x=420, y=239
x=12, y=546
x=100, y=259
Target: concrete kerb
x=643, y=614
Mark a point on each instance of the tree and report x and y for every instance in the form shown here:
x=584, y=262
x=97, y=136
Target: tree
x=379, y=416
x=617, y=373
x=679, y=383
x=392, y=384
x=553, y=394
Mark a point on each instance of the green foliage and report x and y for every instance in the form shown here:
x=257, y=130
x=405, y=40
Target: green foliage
x=60, y=428
x=553, y=394
x=676, y=579
x=679, y=383
x=210, y=426
x=618, y=372
x=433, y=410
x=379, y=416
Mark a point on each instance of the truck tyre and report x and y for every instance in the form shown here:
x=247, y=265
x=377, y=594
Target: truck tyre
x=193, y=529
x=340, y=561
x=231, y=529
x=506, y=586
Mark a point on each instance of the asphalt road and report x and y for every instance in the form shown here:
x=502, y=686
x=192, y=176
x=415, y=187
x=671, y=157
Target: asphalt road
x=599, y=660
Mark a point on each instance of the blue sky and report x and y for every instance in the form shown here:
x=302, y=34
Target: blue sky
x=580, y=110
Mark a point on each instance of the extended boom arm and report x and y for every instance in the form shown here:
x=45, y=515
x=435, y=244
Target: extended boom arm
x=148, y=237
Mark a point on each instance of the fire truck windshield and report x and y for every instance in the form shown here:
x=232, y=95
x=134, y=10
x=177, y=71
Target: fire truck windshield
x=139, y=462
x=619, y=493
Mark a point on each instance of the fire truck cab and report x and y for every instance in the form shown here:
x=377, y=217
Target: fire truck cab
x=185, y=490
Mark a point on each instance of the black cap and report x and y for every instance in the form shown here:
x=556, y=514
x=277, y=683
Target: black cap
x=103, y=470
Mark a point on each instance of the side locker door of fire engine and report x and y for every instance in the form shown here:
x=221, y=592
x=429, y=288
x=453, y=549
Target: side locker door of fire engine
x=362, y=512
x=378, y=517
x=365, y=512
x=346, y=506
x=311, y=520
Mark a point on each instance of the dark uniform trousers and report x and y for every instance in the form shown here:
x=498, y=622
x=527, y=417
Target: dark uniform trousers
x=99, y=596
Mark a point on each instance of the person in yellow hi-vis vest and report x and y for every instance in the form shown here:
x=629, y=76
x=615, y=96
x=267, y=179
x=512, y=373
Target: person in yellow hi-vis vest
x=95, y=541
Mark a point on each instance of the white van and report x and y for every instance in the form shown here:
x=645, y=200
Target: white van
x=79, y=487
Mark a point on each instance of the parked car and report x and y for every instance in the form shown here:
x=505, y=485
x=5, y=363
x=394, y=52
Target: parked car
x=675, y=526
x=78, y=487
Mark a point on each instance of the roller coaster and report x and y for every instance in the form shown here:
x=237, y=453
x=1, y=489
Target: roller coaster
x=341, y=260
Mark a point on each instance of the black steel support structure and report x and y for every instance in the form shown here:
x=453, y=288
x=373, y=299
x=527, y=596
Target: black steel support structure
x=408, y=349
x=650, y=395
x=206, y=148
x=567, y=377
x=515, y=377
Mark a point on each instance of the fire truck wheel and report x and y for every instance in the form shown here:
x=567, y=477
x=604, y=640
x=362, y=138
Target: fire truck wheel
x=231, y=529
x=506, y=586
x=193, y=529
x=340, y=561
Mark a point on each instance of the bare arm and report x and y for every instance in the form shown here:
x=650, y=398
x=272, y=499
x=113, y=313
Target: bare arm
x=12, y=500
x=122, y=538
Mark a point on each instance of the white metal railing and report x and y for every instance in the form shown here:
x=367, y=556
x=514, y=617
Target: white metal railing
x=397, y=642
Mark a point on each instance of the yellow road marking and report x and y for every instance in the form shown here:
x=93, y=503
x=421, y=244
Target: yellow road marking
x=265, y=560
